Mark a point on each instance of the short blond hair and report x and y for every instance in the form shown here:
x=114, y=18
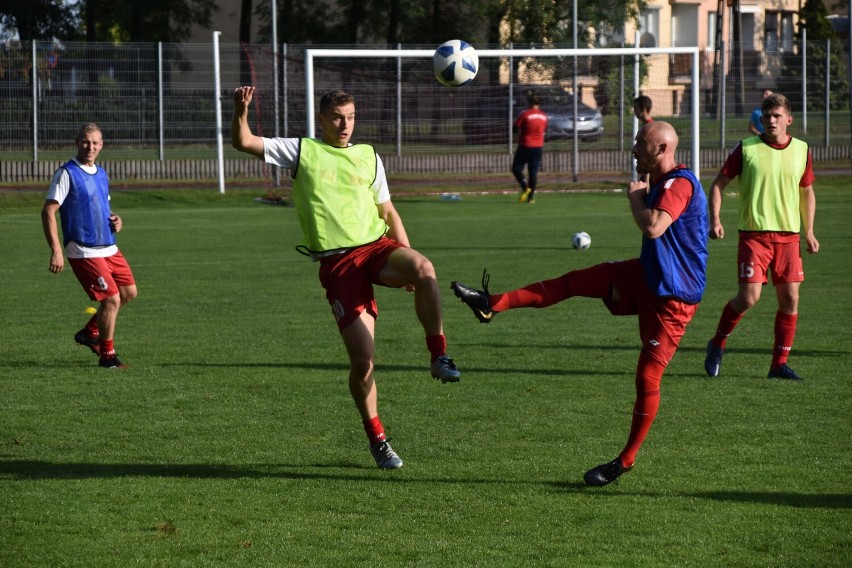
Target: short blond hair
x=86, y=128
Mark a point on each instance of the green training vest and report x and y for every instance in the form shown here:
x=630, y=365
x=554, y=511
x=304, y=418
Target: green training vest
x=334, y=201
x=769, y=185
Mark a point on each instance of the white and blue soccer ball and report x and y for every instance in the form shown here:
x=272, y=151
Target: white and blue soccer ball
x=456, y=63
x=581, y=240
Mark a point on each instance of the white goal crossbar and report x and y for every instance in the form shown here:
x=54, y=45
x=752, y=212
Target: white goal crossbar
x=311, y=54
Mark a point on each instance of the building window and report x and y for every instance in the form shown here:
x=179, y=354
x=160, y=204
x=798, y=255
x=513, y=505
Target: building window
x=778, y=31
x=649, y=28
x=770, y=33
x=787, y=31
x=712, y=18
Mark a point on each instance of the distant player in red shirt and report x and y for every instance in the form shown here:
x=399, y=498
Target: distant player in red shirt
x=776, y=203
x=530, y=125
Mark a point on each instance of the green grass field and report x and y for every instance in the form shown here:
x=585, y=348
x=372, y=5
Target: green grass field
x=232, y=440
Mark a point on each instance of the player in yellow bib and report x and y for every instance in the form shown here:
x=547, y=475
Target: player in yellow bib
x=351, y=227
x=776, y=203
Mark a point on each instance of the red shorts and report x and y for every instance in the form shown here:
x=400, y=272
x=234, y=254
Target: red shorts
x=662, y=321
x=760, y=252
x=101, y=277
x=348, y=279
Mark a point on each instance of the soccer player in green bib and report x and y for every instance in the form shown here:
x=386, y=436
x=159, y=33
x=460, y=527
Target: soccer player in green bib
x=351, y=227
x=776, y=204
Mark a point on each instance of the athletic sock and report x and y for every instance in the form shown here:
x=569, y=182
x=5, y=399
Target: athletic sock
x=649, y=373
x=107, y=348
x=727, y=322
x=375, y=430
x=437, y=345
x=92, y=326
x=591, y=282
x=785, y=332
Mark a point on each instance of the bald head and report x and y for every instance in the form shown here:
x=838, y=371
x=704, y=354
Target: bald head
x=655, y=147
x=662, y=133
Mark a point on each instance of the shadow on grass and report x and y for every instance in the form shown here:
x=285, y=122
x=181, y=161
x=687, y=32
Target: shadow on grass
x=634, y=348
x=396, y=368
x=797, y=500
x=30, y=470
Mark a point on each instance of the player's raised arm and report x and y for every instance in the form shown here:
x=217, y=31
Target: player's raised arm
x=241, y=136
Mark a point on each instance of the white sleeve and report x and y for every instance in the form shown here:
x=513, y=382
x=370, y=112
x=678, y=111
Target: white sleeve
x=380, y=186
x=282, y=152
x=58, y=187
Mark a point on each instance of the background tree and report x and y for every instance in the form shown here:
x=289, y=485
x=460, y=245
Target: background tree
x=168, y=21
x=38, y=19
x=813, y=17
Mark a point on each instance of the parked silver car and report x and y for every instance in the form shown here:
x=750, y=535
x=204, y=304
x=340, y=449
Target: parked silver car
x=559, y=107
x=486, y=119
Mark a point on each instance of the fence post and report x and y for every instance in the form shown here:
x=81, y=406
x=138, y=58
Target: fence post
x=274, y=20
x=511, y=114
x=218, y=87
x=635, y=175
x=160, y=110
x=723, y=97
x=286, y=86
x=827, y=86
x=621, y=96
x=805, y=80
x=399, y=102
x=34, y=77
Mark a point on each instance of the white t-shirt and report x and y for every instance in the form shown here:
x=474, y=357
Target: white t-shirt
x=59, y=188
x=284, y=152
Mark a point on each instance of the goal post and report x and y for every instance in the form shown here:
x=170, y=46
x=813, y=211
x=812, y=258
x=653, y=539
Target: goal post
x=632, y=54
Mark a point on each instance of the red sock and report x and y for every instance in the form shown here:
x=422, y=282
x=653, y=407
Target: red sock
x=592, y=282
x=107, y=348
x=375, y=430
x=649, y=373
x=92, y=326
x=785, y=332
x=437, y=345
x=727, y=322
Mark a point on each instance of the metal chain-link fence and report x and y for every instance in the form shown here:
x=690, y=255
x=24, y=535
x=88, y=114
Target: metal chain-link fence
x=158, y=101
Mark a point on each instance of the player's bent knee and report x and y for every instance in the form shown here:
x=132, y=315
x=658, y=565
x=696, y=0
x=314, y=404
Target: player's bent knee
x=425, y=269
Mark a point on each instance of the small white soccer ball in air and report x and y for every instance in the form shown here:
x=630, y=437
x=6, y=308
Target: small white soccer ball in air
x=455, y=62
x=581, y=240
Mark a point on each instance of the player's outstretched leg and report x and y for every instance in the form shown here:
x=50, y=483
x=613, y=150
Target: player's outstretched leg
x=479, y=301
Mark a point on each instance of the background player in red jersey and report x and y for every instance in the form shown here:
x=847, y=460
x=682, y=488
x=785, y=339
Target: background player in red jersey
x=531, y=125
x=776, y=202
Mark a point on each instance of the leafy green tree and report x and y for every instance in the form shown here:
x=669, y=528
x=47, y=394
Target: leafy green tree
x=145, y=20
x=38, y=19
x=417, y=22
x=814, y=19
